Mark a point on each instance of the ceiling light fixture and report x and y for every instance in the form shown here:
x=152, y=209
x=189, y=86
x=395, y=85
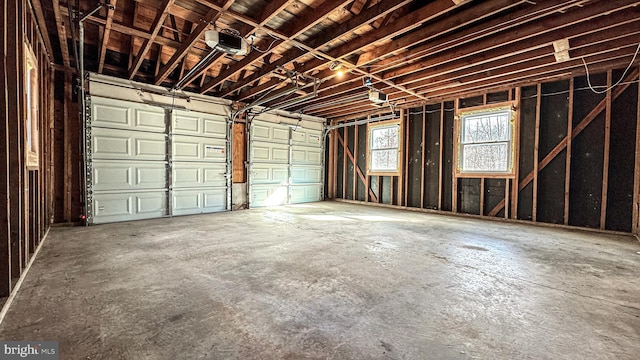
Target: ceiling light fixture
x=337, y=67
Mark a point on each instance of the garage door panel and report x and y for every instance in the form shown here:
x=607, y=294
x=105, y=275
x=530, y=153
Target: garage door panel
x=114, y=207
x=306, y=155
x=111, y=175
x=270, y=133
x=269, y=153
x=149, y=120
x=132, y=145
x=188, y=148
x=110, y=113
x=311, y=138
x=199, y=124
x=306, y=174
x=268, y=195
x=305, y=193
x=127, y=145
x=299, y=154
x=199, y=201
x=269, y=174
x=187, y=175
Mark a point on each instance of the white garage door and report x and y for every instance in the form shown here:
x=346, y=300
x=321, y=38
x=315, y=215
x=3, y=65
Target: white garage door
x=285, y=164
x=199, y=163
x=145, y=162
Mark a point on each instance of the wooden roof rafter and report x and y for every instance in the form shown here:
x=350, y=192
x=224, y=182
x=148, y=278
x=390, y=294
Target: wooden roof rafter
x=62, y=34
x=211, y=16
x=314, y=17
x=365, y=17
x=155, y=29
x=267, y=14
x=105, y=35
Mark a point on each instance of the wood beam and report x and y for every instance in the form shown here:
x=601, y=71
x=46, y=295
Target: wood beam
x=528, y=36
x=446, y=25
x=605, y=161
x=106, y=34
x=501, y=24
x=365, y=17
x=576, y=131
x=567, y=167
x=516, y=157
x=536, y=143
x=441, y=157
x=162, y=14
x=272, y=9
x=498, y=80
x=129, y=30
x=62, y=34
x=42, y=28
x=636, y=174
x=211, y=16
x=15, y=37
x=5, y=209
x=346, y=151
x=423, y=149
x=349, y=155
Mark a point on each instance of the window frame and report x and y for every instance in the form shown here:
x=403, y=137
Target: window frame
x=31, y=109
x=513, y=141
x=378, y=125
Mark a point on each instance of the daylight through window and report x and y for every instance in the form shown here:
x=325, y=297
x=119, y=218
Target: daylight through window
x=384, y=145
x=486, y=140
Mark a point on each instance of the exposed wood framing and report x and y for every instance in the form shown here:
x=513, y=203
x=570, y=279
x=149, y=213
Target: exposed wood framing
x=636, y=173
x=368, y=15
x=68, y=149
x=15, y=39
x=576, y=131
x=349, y=156
x=536, y=143
x=62, y=33
x=105, y=35
x=162, y=14
x=441, y=157
x=345, y=150
x=355, y=162
x=454, y=185
x=607, y=146
x=188, y=44
x=423, y=147
x=567, y=167
x=517, y=95
x=5, y=209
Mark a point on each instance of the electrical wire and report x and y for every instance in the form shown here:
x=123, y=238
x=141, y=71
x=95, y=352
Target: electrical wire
x=577, y=89
x=621, y=77
x=263, y=51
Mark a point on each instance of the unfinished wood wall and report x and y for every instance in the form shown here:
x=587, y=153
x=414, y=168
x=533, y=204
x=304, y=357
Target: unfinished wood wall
x=577, y=158
x=25, y=192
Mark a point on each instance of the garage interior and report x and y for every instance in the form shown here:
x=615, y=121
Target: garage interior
x=321, y=179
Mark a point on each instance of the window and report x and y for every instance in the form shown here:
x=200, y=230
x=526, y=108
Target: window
x=486, y=139
x=384, y=148
x=31, y=132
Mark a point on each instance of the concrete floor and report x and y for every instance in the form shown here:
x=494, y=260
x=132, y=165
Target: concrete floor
x=331, y=281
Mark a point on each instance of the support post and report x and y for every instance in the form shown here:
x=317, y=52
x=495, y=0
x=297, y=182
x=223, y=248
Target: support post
x=605, y=163
x=536, y=143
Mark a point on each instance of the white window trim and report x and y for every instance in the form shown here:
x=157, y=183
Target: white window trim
x=382, y=125
x=512, y=143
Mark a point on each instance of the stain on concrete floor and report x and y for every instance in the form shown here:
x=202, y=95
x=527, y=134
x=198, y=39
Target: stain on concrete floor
x=331, y=281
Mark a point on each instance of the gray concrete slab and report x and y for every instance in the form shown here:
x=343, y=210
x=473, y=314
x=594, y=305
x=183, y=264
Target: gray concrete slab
x=331, y=281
